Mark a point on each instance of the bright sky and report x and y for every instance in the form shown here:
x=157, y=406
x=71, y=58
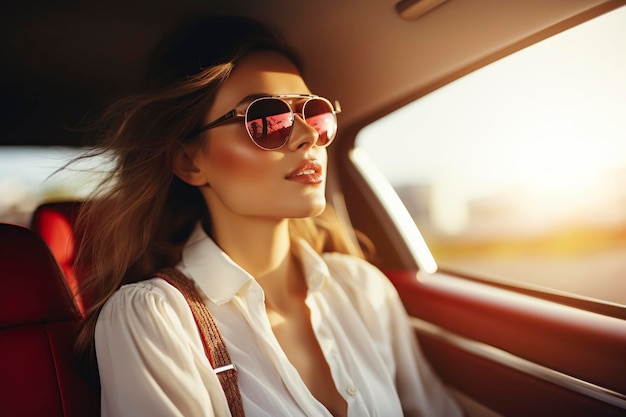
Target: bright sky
x=553, y=115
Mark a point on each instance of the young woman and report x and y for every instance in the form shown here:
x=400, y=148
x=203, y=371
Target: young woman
x=220, y=171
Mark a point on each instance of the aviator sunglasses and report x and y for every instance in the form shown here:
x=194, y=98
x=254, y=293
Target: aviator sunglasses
x=269, y=120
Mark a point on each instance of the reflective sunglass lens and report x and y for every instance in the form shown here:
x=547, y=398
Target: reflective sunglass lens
x=318, y=114
x=269, y=122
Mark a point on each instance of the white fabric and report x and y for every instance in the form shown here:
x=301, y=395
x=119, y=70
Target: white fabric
x=152, y=362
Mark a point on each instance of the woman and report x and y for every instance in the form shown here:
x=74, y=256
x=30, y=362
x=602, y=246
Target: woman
x=220, y=171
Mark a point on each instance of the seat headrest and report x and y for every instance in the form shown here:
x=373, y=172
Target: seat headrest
x=55, y=224
x=32, y=287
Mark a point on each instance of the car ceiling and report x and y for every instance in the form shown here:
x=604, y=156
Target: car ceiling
x=63, y=59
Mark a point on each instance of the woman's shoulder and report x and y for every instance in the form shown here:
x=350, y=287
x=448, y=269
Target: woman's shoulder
x=358, y=276
x=356, y=268
x=152, y=295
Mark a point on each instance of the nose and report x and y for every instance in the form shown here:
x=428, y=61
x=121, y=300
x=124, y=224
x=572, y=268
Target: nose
x=303, y=136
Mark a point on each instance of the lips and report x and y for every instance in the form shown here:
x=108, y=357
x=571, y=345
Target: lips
x=309, y=172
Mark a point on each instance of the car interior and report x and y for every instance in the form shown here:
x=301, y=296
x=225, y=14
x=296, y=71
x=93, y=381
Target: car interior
x=502, y=348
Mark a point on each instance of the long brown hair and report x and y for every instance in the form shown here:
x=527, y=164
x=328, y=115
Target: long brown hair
x=141, y=214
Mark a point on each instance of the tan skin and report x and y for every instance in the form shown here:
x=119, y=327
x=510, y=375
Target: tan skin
x=250, y=198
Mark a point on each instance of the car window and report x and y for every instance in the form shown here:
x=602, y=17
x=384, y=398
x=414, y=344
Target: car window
x=29, y=177
x=517, y=171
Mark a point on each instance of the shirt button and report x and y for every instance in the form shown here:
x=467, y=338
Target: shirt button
x=352, y=391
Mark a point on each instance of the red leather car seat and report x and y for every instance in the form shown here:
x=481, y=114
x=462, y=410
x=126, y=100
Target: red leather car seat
x=54, y=222
x=38, y=326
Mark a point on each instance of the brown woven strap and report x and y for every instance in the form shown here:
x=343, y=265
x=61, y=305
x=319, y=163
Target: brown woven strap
x=212, y=340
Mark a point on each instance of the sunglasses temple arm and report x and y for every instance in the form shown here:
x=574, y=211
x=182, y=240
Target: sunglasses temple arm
x=231, y=114
x=337, y=107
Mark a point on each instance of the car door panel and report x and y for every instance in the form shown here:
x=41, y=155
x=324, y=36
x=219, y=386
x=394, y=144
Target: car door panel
x=517, y=354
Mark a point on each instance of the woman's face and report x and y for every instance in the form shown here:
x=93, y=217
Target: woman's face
x=245, y=180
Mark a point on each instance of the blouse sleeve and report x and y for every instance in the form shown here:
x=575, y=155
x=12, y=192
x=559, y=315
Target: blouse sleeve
x=150, y=356
x=420, y=389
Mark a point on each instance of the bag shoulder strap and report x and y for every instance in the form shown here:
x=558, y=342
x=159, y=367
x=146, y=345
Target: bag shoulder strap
x=214, y=345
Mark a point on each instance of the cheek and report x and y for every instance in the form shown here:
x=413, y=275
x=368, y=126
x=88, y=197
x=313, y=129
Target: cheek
x=237, y=159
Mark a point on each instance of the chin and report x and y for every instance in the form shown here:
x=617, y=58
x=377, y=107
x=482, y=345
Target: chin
x=312, y=210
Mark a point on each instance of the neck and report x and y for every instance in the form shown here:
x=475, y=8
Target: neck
x=263, y=248
x=260, y=246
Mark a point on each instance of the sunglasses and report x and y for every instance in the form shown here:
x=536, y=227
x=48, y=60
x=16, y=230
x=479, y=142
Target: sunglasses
x=269, y=120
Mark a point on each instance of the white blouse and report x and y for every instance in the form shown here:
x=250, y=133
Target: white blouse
x=152, y=362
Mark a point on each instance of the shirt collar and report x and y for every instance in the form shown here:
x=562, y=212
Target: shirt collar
x=217, y=275
x=220, y=278
x=313, y=266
